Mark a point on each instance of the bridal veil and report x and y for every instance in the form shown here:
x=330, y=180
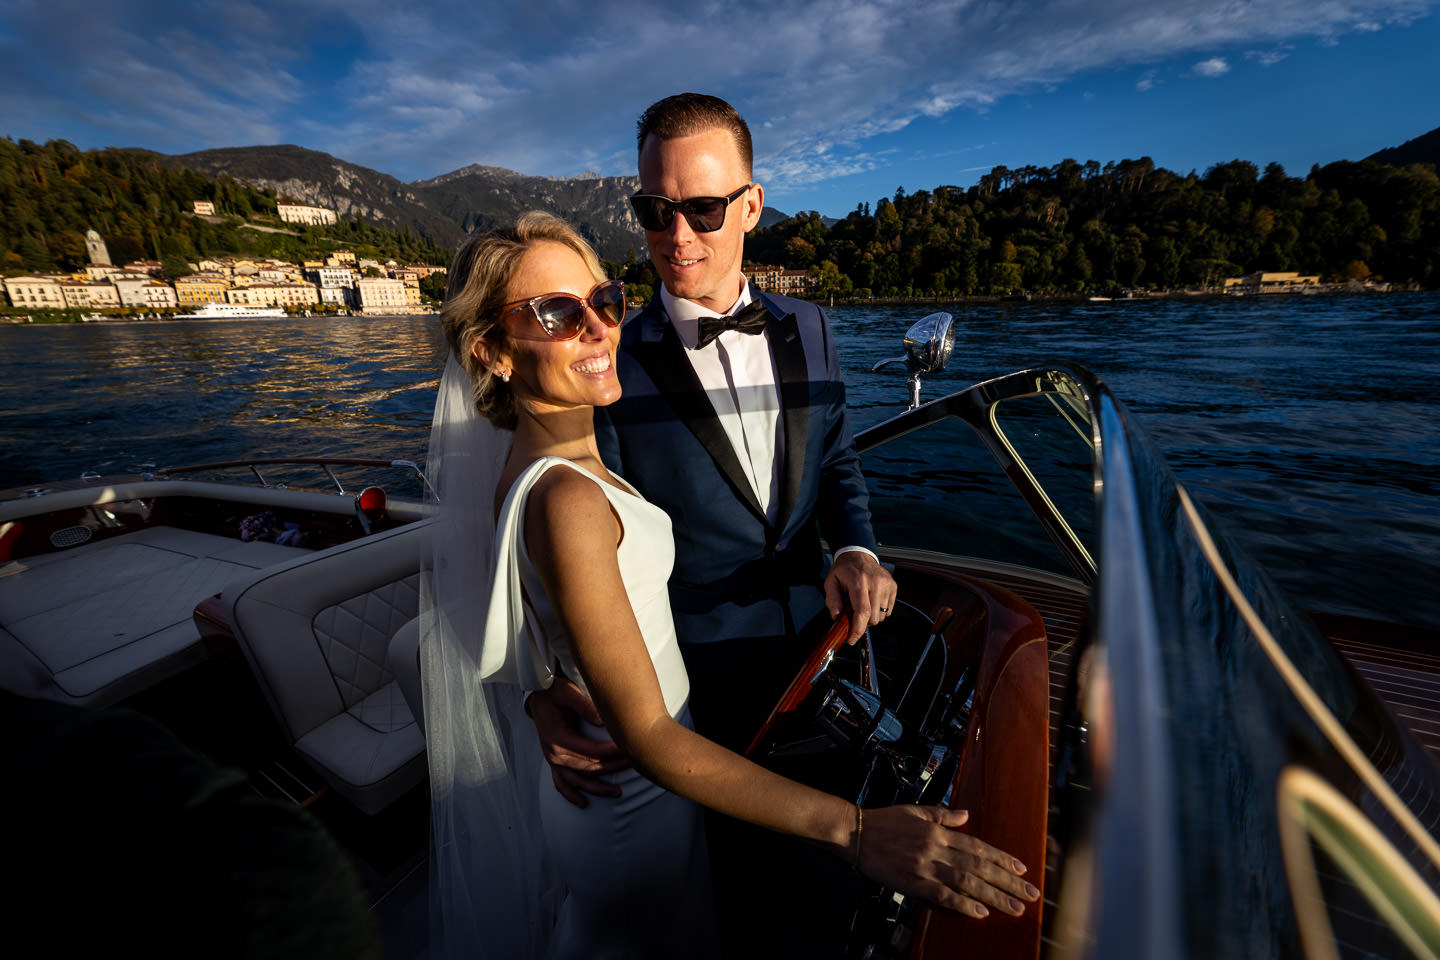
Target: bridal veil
x=494, y=891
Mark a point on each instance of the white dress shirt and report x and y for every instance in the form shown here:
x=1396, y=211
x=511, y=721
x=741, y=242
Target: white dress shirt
x=738, y=373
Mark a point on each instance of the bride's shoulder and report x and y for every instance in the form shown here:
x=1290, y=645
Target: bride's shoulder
x=560, y=485
x=567, y=507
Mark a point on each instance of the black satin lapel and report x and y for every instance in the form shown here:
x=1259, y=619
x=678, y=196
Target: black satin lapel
x=671, y=371
x=794, y=381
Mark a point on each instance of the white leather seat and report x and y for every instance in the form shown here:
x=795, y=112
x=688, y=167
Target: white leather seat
x=317, y=633
x=100, y=622
x=404, y=660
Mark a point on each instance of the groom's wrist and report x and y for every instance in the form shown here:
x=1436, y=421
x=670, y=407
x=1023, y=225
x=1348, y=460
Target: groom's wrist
x=853, y=548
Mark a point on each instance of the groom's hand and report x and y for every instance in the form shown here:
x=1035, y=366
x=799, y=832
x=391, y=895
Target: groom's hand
x=858, y=577
x=577, y=763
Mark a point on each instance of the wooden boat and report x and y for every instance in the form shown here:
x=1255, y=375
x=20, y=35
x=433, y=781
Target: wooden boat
x=1203, y=769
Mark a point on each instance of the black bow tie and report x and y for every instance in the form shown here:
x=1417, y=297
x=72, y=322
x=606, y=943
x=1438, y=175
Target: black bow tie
x=749, y=319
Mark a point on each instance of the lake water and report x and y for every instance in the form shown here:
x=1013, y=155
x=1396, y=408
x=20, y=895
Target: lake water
x=1309, y=425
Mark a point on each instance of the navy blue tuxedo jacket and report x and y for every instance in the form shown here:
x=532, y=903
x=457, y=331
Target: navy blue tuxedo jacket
x=736, y=574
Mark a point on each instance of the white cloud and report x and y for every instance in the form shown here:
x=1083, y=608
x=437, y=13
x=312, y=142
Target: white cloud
x=1267, y=58
x=1214, y=67
x=553, y=86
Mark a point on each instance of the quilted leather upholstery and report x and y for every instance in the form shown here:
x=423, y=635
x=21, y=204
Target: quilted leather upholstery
x=355, y=635
x=317, y=632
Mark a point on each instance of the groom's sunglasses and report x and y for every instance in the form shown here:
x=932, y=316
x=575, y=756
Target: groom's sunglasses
x=562, y=315
x=704, y=214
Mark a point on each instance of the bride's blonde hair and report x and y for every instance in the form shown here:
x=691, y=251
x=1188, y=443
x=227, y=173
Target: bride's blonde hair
x=479, y=286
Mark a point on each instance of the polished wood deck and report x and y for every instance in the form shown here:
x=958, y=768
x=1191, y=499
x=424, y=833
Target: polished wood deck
x=1402, y=666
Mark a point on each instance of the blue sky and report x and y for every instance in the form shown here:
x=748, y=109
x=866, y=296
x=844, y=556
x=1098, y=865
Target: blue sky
x=847, y=100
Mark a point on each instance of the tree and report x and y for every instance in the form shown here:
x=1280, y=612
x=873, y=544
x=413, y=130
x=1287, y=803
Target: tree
x=173, y=266
x=799, y=253
x=1355, y=270
x=826, y=275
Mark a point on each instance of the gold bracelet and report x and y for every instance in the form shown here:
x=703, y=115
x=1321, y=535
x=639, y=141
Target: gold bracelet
x=859, y=828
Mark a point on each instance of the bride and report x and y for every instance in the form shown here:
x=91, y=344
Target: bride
x=576, y=564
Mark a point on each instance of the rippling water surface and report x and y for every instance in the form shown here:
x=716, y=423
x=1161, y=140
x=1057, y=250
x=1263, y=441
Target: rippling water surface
x=1309, y=425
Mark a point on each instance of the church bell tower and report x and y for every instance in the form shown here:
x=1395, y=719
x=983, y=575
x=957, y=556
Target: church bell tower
x=95, y=246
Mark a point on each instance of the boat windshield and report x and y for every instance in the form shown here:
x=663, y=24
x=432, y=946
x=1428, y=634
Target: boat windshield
x=934, y=486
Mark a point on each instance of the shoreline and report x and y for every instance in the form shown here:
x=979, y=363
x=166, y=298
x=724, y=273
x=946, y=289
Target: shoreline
x=1121, y=297
x=59, y=317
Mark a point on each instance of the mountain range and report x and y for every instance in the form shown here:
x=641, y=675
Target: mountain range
x=447, y=208
x=1423, y=149
x=444, y=209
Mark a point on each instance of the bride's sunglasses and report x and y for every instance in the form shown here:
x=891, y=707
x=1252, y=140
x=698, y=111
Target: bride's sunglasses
x=704, y=214
x=562, y=315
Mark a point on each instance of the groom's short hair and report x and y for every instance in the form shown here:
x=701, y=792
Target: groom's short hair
x=687, y=114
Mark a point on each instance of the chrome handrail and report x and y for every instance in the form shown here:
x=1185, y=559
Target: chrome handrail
x=328, y=463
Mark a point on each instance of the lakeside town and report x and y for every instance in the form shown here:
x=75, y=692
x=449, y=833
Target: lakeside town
x=347, y=283
x=340, y=283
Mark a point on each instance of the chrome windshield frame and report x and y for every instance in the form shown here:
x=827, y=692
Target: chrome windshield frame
x=975, y=406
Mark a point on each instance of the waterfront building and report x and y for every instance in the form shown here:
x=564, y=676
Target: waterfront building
x=274, y=295
x=763, y=277
x=412, y=290
x=127, y=276
x=296, y=293
x=32, y=291
x=779, y=280
x=145, y=292
x=205, y=207
x=381, y=295
x=89, y=295
x=100, y=271
x=309, y=216
x=200, y=288
x=96, y=249
x=1284, y=281
x=152, y=268
x=331, y=276
x=339, y=296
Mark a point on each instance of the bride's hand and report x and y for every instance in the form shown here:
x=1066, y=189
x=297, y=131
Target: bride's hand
x=577, y=762
x=917, y=851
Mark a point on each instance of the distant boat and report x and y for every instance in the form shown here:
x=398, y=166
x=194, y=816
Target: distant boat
x=231, y=311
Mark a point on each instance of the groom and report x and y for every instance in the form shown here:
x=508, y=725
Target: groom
x=740, y=435
x=732, y=419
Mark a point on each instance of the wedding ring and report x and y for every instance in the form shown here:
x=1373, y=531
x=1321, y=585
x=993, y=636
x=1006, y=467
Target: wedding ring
x=884, y=609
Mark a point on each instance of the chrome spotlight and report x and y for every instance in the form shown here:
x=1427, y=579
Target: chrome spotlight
x=928, y=344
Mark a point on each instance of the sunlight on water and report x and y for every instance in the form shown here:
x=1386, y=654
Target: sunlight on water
x=1309, y=425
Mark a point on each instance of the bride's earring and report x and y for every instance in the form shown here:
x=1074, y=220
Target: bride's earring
x=504, y=377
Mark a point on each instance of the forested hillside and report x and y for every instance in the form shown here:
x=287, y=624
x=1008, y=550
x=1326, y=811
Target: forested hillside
x=1083, y=226
x=140, y=204
x=1422, y=149
x=1068, y=228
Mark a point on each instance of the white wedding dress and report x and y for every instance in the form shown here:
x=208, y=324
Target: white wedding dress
x=634, y=867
